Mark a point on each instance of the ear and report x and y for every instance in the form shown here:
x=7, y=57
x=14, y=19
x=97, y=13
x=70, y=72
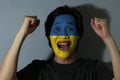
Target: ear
x=78, y=37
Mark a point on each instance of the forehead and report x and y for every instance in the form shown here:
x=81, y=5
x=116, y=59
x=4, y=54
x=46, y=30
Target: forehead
x=64, y=18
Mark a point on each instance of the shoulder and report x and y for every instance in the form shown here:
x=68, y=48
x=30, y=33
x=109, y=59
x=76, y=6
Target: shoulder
x=31, y=71
x=96, y=67
x=34, y=65
x=90, y=61
x=95, y=64
x=38, y=63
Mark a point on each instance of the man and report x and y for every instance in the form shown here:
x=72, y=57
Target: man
x=63, y=29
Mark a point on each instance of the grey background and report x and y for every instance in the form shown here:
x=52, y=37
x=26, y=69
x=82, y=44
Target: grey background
x=36, y=44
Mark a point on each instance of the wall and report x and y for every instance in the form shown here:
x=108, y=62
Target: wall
x=36, y=45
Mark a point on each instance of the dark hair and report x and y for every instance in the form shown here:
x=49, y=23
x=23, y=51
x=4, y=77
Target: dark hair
x=63, y=10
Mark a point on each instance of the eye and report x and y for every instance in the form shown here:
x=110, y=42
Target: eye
x=56, y=28
x=70, y=29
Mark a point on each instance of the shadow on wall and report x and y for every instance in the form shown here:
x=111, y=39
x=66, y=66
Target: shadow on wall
x=91, y=46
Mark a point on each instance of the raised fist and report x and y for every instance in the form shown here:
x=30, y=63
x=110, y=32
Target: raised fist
x=100, y=26
x=29, y=24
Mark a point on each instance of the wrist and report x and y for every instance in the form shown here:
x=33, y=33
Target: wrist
x=108, y=39
x=21, y=36
x=111, y=45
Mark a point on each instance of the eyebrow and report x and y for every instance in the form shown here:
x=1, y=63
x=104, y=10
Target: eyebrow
x=70, y=23
x=56, y=23
x=59, y=23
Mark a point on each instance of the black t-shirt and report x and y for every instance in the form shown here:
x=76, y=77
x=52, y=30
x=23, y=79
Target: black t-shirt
x=79, y=70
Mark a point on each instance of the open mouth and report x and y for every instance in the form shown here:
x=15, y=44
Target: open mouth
x=63, y=45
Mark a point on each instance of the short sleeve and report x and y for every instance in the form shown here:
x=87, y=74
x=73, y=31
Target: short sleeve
x=103, y=72
x=30, y=72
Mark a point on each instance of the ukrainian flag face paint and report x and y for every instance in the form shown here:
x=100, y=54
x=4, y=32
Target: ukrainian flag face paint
x=64, y=35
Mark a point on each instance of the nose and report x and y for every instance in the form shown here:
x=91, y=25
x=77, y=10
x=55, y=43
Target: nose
x=66, y=37
x=65, y=33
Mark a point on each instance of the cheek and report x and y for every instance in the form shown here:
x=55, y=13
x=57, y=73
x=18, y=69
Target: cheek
x=74, y=40
x=53, y=40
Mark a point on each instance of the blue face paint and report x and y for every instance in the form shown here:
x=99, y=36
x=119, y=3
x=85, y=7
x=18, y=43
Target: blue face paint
x=64, y=25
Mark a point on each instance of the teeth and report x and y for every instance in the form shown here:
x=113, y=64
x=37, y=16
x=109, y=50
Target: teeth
x=63, y=44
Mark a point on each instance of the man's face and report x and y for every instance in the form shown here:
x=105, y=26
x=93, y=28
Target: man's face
x=63, y=35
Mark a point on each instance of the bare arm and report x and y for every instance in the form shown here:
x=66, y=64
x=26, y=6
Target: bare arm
x=8, y=67
x=100, y=26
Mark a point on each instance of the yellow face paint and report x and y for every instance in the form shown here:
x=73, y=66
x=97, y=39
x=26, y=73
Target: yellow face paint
x=63, y=46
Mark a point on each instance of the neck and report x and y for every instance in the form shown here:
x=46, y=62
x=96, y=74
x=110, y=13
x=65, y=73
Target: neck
x=68, y=60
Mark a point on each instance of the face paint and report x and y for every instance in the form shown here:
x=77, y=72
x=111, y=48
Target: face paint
x=64, y=36
x=62, y=47
x=64, y=25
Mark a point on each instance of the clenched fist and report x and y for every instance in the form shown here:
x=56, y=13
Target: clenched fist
x=100, y=26
x=29, y=24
